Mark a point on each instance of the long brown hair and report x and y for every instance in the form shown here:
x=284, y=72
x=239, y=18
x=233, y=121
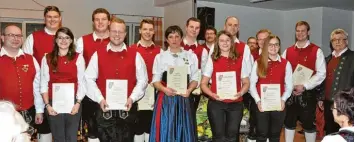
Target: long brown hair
x=264, y=57
x=53, y=56
x=233, y=53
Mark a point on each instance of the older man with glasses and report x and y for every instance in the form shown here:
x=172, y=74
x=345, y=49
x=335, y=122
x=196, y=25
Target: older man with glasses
x=340, y=75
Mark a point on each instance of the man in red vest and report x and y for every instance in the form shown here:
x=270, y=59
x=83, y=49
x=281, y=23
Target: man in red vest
x=254, y=48
x=189, y=43
x=38, y=44
x=302, y=104
x=87, y=45
x=261, y=35
x=116, y=62
x=210, y=38
x=20, y=77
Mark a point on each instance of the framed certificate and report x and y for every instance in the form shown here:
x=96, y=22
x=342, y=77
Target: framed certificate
x=116, y=94
x=226, y=84
x=147, y=102
x=177, y=79
x=63, y=97
x=270, y=97
x=301, y=75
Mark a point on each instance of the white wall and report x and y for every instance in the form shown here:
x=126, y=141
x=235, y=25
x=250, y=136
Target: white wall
x=77, y=13
x=314, y=18
x=251, y=19
x=178, y=13
x=282, y=23
x=336, y=18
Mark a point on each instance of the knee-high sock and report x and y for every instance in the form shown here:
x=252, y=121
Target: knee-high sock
x=45, y=137
x=310, y=137
x=289, y=135
x=146, y=137
x=139, y=138
x=93, y=140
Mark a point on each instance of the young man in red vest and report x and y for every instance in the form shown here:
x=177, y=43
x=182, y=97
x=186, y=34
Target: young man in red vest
x=148, y=51
x=116, y=62
x=87, y=45
x=20, y=77
x=302, y=104
x=189, y=43
x=38, y=44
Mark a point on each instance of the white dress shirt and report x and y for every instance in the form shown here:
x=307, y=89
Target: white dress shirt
x=38, y=101
x=318, y=78
x=92, y=71
x=204, y=55
x=248, y=59
x=80, y=65
x=337, y=138
x=28, y=45
x=165, y=59
x=341, y=52
x=80, y=42
x=288, y=81
x=211, y=47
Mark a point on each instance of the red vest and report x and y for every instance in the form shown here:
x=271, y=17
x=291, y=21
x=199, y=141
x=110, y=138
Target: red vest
x=197, y=50
x=90, y=46
x=205, y=46
x=332, y=65
x=255, y=54
x=42, y=43
x=275, y=75
x=67, y=72
x=240, y=48
x=148, y=54
x=16, y=80
x=116, y=65
x=304, y=56
x=224, y=64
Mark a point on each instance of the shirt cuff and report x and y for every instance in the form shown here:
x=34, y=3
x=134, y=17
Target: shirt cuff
x=39, y=109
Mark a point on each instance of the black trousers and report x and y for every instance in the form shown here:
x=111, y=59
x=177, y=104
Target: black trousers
x=330, y=126
x=194, y=102
x=249, y=102
x=143, y=122
x=116, y=129
x=89, y=116
x=269, y=125
x=30, y=115
x=302, y=108
x=225, y=120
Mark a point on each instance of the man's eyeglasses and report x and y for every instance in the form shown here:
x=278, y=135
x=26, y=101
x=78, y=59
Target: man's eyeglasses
x=14, y=35
x=338, y=40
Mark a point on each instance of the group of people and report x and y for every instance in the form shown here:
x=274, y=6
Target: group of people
x=52, y=56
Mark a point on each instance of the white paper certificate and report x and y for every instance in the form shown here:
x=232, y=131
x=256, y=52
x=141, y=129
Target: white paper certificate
x=147, y=102
x=301, y=75
x=226, y=84
x=63, y=97
x=116, y=94
x=270, y=97
x=197, y=91
x=177, y=79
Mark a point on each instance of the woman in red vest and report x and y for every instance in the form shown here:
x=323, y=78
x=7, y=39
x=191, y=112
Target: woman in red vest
x=63, y=66
x=225, y=115
x=270, y=72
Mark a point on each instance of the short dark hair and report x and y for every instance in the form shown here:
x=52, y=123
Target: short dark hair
x=192, y=19
x=51, y=8
x=169, y=30
x=211, y=28
x=344, y=101
x=100, y=10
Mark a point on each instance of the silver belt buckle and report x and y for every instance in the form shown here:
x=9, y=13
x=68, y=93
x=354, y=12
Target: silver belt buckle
x=107, y=115
x=123, y=114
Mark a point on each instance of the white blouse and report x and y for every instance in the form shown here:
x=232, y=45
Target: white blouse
x=165, y=59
